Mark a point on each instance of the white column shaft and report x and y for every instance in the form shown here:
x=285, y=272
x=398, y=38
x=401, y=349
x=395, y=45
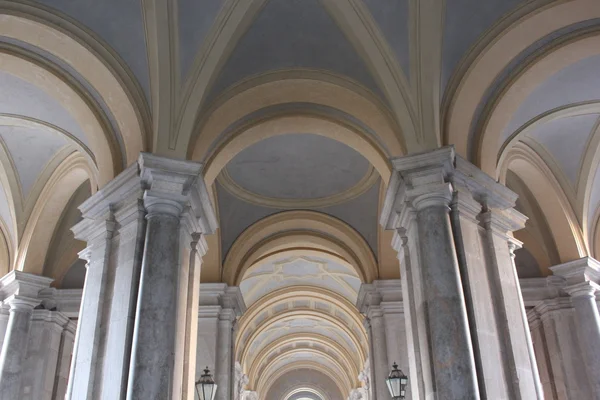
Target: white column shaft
x=380, y=365
x=223, y=367
x=14, y=350
x=588, y=329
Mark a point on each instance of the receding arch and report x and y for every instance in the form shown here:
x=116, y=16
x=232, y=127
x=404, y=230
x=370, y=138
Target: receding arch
x=265, y=385
x=106, y=161
x=489, y=133
x=285, y=124
x=339, y=375
x=557, y=209
x=99, y=66
x=69, y=176
x=321, y=229
x=318, y=88
x=235, y=19
x=276, y=345
x=493, y=54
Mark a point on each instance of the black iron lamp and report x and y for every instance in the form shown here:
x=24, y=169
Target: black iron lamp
x=396, y=383
x=206, y=386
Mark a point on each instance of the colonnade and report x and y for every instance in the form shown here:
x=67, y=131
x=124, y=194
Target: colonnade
x=456, y=322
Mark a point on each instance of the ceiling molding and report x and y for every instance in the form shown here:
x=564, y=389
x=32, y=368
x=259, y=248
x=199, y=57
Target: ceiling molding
x=95, y=61
x=361, y=187
x=355, y=20
x=531, y=74
x=258, y=363
x=562, y=220
x=295, y=86
x=265, y=385
x=57, y=191
x=339, y=376
x=493, y=53
x=332, y=230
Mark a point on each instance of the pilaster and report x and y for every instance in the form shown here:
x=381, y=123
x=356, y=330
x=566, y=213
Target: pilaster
x=220, y=307
x=381, y=303
x=19, y=292
x=581, y=284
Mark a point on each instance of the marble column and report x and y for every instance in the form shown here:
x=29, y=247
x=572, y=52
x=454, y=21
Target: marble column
x=171, y=187
x=19, y=291
x=581, y=278
x=466, y=327
x=381, y=303
x=133, y=320
x=220, y=306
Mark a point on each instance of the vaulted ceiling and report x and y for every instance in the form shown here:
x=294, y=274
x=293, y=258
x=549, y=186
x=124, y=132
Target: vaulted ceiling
x=295, y=107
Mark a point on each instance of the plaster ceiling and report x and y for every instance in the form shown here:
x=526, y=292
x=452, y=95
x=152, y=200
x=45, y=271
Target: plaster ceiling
x=236, y=215
x=30, y=151
x=297, y=166
x=392, y=19
x=594, y=199
x=464, y=22
x=119, y=23
x=266, y=277
x=196, y=18
x=304, y=378
x=5, y=212
x=566, y=140
x=28, y=100
x=576, y=83
x=293, y=34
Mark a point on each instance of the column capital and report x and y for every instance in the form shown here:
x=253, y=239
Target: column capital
x=172, y=186
x=381, y=296
x=416, y=174
x=222, y=296
x=22, y=284
x=581, y=277
x=21, y=303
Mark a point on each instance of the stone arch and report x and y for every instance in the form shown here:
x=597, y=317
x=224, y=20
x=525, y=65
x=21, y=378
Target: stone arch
x=316, y=88
x=554, y=203
x=343, y=381
x=108, y=75
x=493, y=53
x=281, y=125
x=266, y=386
x=234, y=21
x=69, y=176
x=489, y=132
x=314, y=230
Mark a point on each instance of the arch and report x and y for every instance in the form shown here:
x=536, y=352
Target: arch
x=265, y=385
x=290, y=123
x=337, y=322
x=106, y=161
x=317, y=230
x=276, y=345
x=570, y=110
x=350, y=325
x=317, y=88
x=269, y=375
x=554, y=203
x=493, y=54
x=565, y=53
x=69, y=176
x=236, y=18
x=300, y=390
x=98, y=65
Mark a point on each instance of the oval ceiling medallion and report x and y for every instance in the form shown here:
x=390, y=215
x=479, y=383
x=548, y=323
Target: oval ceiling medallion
x=362, y=186
x=298, y=170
